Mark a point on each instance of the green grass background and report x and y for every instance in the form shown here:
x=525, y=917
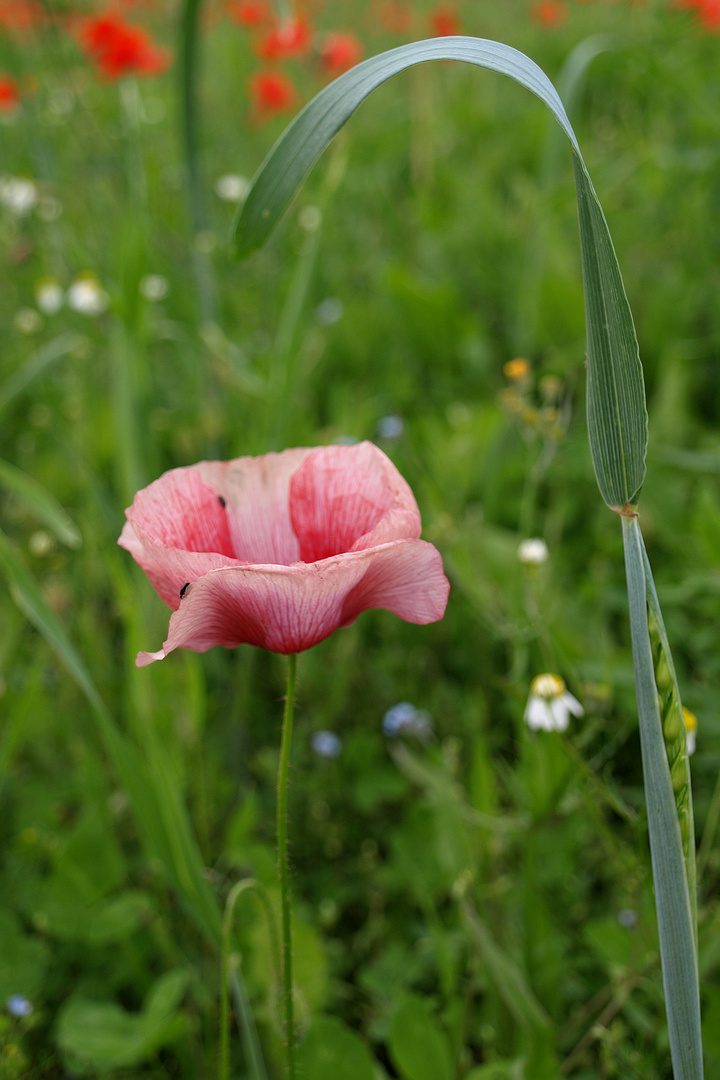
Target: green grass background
x=457, y=902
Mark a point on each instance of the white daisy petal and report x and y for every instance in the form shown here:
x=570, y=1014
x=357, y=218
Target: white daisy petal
x=537, y=714
x=573, y=705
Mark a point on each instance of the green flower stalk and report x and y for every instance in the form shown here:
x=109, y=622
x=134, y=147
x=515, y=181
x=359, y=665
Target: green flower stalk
x=283, y=869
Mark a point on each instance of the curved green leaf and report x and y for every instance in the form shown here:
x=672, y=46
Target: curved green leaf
x=419, y=1048
x=331, y=1051
x=617, y=418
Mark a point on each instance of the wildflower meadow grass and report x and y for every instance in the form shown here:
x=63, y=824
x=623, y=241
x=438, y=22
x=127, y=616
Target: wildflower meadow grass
x=498, y=828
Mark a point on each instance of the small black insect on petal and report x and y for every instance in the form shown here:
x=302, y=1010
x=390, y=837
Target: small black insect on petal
x=222, y=501
x=184, y=589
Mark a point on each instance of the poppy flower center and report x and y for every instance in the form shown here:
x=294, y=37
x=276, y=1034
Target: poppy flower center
x=332, y=508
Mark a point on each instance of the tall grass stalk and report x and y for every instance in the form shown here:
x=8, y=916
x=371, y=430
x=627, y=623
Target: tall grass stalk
x=617, y=430
x=284, y=369
x=189, y=57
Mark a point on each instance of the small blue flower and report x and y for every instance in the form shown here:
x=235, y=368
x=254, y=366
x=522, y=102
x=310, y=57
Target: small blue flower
x=326, y=744
x=17, y=1005
x=405, y=719
x=390, y=427
x=329, y=311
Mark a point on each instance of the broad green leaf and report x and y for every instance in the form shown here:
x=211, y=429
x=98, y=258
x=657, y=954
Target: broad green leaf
x=672, y=899
x=119, y=918
x=102, y=1036
x=89, y=858
x=165, y=995
x=617, y=419
x=331, y=1051
x=23, y=959
x=57, y=908
x=41, y=503
x=419, y=1049
x=499, y=1070
x=611, y=943
x=616, y=414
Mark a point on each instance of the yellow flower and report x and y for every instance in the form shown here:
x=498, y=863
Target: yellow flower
x=517, y=369
x=691, y=725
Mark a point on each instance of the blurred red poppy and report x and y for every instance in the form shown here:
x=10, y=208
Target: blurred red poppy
x=119, y=48
x=272, y=92
x=252, y=13
x=18, y=17
x=706, y=12
x=280, y=551
x=288, y=38
x=549, y=12
x=396, y=16
x=9, y=95
x=709, y=14
x=444, y=22
x=340, y=51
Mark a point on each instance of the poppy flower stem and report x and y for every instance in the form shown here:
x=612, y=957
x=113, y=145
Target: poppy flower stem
x=283, y=870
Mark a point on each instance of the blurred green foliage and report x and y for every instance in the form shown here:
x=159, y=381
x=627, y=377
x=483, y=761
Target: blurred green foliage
x=475, y=905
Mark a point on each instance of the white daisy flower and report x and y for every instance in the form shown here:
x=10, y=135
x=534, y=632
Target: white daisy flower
x=310, y=218
x=49, y=296
x=232, y=188
x=533, y=552
x=154, y=287
x=87, y=296
x=18, y=194
x=27, y=321
x=549, y=705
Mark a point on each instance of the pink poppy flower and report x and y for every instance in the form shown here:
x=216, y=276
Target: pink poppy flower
x=281, y=550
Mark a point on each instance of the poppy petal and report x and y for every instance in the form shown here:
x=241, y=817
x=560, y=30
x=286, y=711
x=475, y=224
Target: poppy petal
x=289, y=609
x=256, y=494
x=342, y=502
x=181, y=511
x=169, y=569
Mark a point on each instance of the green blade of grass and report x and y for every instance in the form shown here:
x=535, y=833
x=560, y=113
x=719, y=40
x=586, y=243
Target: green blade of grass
x=36, y=364
x=512, y=985
x=617, y=418
x=189, y=61
x=672, y=898
x=41, y=503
